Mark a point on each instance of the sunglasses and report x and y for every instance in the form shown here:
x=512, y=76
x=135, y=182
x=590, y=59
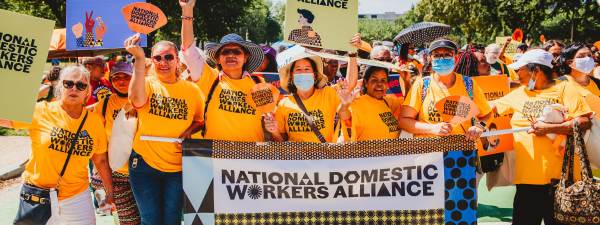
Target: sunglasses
x=68, y=84
x=383, y=59
x=167, y=57
x=231, y=51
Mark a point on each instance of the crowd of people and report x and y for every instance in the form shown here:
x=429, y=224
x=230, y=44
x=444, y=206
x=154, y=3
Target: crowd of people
x=203, y=94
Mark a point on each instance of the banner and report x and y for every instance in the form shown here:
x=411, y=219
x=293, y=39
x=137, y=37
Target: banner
x=495, y=87
x=400, y=181
x=98, y=25
x=326, y=24
x=23, y=52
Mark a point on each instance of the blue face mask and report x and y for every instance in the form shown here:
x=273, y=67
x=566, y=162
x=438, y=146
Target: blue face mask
x=443, y=66
x=304, y=81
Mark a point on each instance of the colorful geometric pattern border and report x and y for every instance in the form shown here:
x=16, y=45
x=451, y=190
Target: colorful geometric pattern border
x=412, y=217
x=316, y=151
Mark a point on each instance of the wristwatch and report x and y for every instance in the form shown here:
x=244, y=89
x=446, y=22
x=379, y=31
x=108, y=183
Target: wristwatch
x=481, y=124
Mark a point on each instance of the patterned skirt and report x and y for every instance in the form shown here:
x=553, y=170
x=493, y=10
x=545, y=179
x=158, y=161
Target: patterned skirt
x=124, y=201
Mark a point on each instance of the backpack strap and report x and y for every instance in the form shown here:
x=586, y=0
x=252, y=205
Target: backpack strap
x=255, y=79
x=469, y=86
x=426, y=82
x=309, y=119
x=104, y=106
x=213, y=87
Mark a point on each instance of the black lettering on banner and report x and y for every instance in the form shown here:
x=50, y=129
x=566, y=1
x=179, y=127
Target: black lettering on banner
x=298, y=123
x=401, y=181
x=61, y=139
x=168, y=107
x=144, y=17
x=491, y=96
x=17, y=52
x=235, y=102
x=340, y=4
x=263, y=97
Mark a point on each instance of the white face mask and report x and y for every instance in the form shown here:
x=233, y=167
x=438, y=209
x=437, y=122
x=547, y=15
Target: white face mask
x=584, y=65
x=491, y=59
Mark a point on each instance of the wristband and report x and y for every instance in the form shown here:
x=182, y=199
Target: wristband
x=190, y=18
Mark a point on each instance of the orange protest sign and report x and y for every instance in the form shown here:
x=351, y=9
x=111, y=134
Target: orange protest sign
x=143, y=17
x=495, y=87
x=518, y=35
x=456, y=109
x=263, y=97
x=543, y=39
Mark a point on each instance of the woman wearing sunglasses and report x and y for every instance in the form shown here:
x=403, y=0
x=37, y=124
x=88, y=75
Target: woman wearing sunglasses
x=53, y=129
x=167, y=106
x=228, y=116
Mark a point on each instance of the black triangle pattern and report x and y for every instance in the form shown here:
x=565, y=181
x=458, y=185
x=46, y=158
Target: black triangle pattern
x=208, y=203
x=197, y=220
x=187, y=205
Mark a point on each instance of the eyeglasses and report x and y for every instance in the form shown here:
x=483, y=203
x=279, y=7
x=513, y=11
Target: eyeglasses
x=167, y=57
x=68, y=84
x=231, y=51
x=443, y=55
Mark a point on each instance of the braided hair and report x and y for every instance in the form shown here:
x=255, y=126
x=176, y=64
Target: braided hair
x=467, y=63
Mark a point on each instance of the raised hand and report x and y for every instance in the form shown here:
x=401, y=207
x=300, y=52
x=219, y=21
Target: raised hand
x=132, y=46
x=100, y=29
x=77, y=30
x=356, y=41
x=187, y=4
x=346, y=94
x=89, y=22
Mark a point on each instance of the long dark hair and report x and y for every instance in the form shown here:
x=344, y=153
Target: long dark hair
x=368, y=72
x=467, y=63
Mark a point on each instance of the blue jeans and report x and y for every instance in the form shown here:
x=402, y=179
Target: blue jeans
x=159, y=195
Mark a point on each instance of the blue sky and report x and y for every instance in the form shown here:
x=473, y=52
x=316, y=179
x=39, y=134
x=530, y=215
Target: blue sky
x=381, y=6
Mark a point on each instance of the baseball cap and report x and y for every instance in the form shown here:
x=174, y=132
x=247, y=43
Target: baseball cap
x=97, y=61
x=442, y=43
x=122, y=67
x=537, y=56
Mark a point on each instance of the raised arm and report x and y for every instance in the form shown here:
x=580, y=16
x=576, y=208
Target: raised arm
x=187, y=25
x=137, y=86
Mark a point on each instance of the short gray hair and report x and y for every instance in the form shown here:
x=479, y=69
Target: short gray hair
x=492, y=46
x=377, y=49
x=82, y=71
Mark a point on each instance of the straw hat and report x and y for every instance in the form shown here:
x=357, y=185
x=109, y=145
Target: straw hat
x=286, y=58
x=256, y=53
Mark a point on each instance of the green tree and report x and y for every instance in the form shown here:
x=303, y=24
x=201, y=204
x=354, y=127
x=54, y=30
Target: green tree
x=371, y=30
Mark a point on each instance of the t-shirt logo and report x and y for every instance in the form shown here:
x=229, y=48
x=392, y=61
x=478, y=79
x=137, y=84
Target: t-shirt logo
x=235, y=102
x=168, y=107
x=535, y=108
x=390, y=121
x=60, y=140
x=298, y=123
x=433, y=115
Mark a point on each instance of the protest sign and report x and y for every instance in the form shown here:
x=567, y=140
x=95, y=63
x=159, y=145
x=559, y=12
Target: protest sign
x=395, y=85
x=23, y=52
x=511, y=49
x=95, y=25
x=263, y=97
x=143, y=17
x=326, y=24
x=456, y=109
x=401, y=181
x=495, y=87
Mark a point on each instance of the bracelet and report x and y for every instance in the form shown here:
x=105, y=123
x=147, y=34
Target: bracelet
x=190, y=18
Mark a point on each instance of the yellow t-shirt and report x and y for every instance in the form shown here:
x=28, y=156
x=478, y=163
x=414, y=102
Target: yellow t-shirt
x=113, y=106
x=373, y=119
x=168, y=112
x=51, y=132
x=591, y=87
x=435, y=93
x=537, y=161
x=322, y=106
x=229, y=116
